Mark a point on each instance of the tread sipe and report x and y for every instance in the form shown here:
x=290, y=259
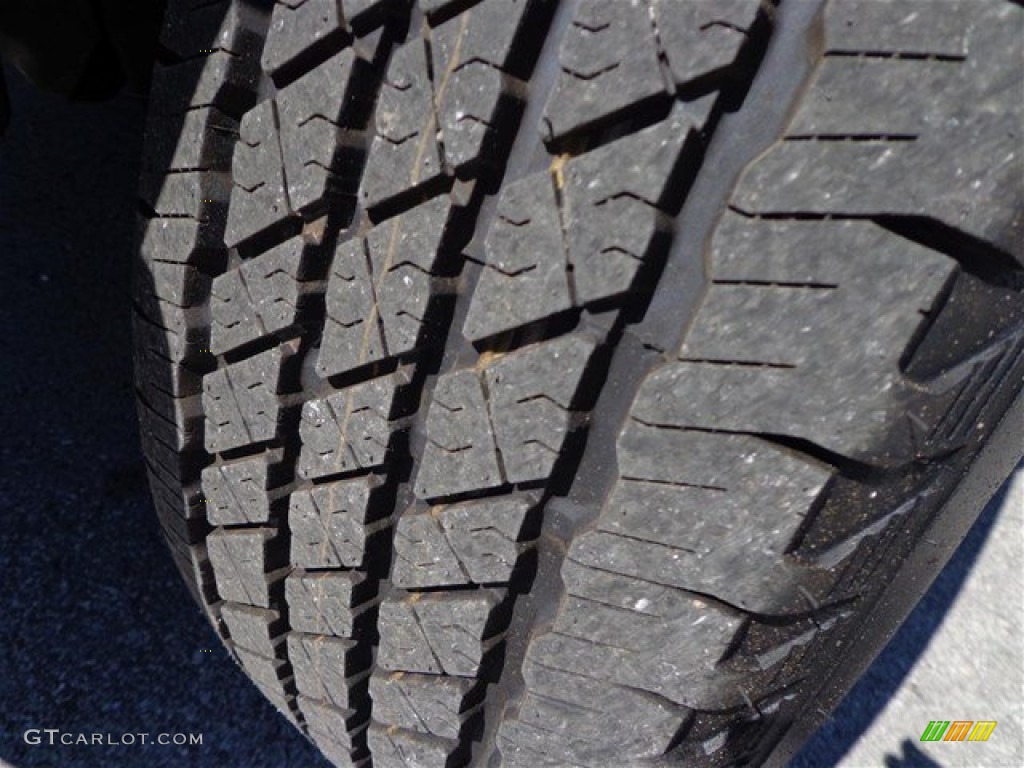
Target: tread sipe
x=536, y=383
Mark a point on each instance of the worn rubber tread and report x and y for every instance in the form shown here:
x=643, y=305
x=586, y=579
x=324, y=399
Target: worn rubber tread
x=376, y=314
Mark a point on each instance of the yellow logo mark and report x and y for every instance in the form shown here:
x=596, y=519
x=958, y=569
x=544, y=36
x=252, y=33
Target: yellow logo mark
x=982, y=730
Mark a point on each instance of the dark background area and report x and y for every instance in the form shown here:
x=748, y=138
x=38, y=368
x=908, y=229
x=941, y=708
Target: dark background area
x=98, y=633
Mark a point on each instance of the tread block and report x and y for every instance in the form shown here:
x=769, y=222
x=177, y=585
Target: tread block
x=728, y=332
x=525, y=277
x=295, y=27
x=526, y=414
x=271, y=677
x=611, y=209
x=609, y=63
x=156, y=451
x=330, y=669
x=339, y=754
x=180, y=425
x=611, y=57
x=614, y=196
x=899, y=171
x=862, y=268
x=180, y=285
x=238, y=492
x=790, y=252
x=218, y=79
x=682, y=500
x=460, y=454
x=702, y=39
x=178, y=507
x=165, y=330
x=664, y=643
x=177, y=240
x=884, y=173
x=311, y=112
x=350, y=429
x=532, y=392
x=432, y=704
x=473, y=543
x=394, y=748
x=515, y=755
x=353, y=330
x=205, y=143
x=341, y=727
x=259, y=198
x=191, y=194
x=713, y=477
x=330, y=524
x=168, y=391
x=244, y=563
x=471, y=54
x=487, y=535
x=469, y=112
x=899, y=27
x=488, y=32
x=326, y=603
x=257, y=298
x=380, y=289
x=571, y=720
x=256, y=629
x=440, y=633
x=241, y=400
x=436, y=117
x=284, y=163
x=423, y=556
x=405, y=153
x=843, y=97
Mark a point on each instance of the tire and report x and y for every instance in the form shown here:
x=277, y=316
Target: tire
x=591, y=383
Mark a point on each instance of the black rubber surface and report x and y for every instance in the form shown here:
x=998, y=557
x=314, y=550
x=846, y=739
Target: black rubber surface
x=91, y=512
x=521, y=397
